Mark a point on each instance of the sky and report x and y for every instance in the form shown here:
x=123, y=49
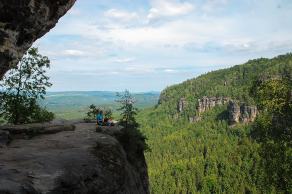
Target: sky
x=147, y=45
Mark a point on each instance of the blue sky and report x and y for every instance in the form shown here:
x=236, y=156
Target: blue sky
x=146, y=45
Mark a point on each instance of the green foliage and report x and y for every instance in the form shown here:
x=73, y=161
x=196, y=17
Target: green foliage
x=234, y=82
x=273, y=129
x=210, y=156
x=128, y=110
x=91, y=114
x=204, y=157
x=22, y=87
x=93, y=110
x=131, y=138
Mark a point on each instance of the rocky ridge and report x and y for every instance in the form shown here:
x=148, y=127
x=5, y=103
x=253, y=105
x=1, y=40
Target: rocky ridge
x=238, y=112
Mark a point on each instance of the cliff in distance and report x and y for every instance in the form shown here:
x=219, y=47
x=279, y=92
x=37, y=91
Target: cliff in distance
x=237, y=112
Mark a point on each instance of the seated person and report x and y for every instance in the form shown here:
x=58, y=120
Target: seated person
x=109, y=121
x=105, y=121
x=99, y=118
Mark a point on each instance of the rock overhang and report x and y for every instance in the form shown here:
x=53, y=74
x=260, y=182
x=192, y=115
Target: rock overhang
x=22, y=23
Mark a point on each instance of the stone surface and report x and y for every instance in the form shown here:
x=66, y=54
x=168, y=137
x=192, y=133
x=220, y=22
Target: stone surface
x=241, y=112
x=207, y=103
x=182, y=104
x=79, y=162
x=4, y=138
x=31, y=130
x=24, y=21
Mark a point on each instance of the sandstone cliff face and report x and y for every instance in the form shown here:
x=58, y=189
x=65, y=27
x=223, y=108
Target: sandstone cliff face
x=237, y=112
x=207, y=103
x=79, y=161
x=182, y=104
x=241, y=113
x=24, y=21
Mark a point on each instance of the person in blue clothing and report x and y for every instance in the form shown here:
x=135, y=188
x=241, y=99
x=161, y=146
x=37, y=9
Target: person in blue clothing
x=99, y=118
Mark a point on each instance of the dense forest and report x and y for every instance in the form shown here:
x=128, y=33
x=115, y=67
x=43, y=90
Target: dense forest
x=211, y=156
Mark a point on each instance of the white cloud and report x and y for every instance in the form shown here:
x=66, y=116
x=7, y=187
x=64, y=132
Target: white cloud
x=124, y=60
x=168, y=8
x=73, y=53
x=169, y=70
x=138, y=69
x=121, y=15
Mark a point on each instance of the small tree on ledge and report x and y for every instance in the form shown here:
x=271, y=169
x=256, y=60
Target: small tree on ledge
x=131, y=138
x=128, y=111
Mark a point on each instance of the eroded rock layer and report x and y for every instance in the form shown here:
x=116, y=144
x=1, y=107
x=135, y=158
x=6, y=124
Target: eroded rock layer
x=241, y=112
x=207, y=103
x=24, y=21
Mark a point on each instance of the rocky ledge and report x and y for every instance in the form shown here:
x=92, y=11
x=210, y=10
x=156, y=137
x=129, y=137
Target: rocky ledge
x=79, y=161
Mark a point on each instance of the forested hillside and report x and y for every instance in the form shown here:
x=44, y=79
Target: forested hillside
x=234, y=82
x=210, y=155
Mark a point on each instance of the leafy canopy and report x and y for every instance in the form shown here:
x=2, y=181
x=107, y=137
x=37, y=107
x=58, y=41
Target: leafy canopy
x=22, y=87
x=273, y=129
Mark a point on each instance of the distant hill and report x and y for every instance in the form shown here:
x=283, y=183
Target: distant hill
x=208, y=155
x=71, y=105
x=234, y=82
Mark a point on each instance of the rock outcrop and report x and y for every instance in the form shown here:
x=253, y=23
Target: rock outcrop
x=22, y=22
x=80, y=161
x=237, y=112
x=207, y=103
x=241, y=112
x=182, y=104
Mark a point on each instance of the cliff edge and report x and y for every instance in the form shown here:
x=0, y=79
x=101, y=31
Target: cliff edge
x=76, y=161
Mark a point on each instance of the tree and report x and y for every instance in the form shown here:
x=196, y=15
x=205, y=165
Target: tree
x=128, y=110
x=108, y=113
x=273, y=129
x=131, y=138
x=91, y=114
x=22, y=87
